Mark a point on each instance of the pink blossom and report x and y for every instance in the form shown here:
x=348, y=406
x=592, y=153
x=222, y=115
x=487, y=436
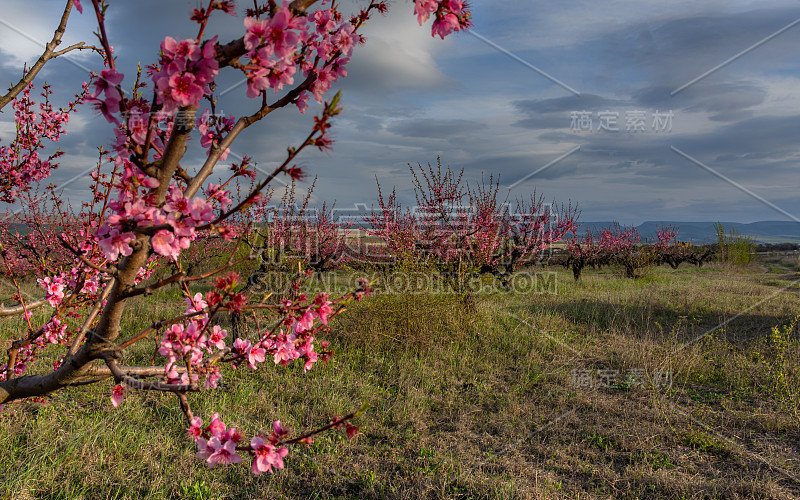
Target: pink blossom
x=285, y=350
x=217, y=427
x=255, y=355
x=302, y=101
x=324, y=20
x=237, y=302
x=345, y=40
x=278, y=429
x=222, y=452
x=195, y=429
x=90, y=286
x=203, y=451
x=257, y=82
x=325, y=50
x=117, y=395
x=232, y=434
x=454, y=6
x=176, y=202
x=241, y=345
x=424, y=8
x=207, y=67
x=196, y=303
x=184, y=90
x=212, y=377
x=307, y=350
x=256, y=31
x=262, y=57
x=201, y=210
x=217, y=336
x=323, y=83
x=183, y=228
x=54, y=331
x=107, y=83
x=54, y=290
x=324, y=311
x=190, y=336
x=116, y=244
x=280, y=34
x=446, y=25
x=266, y=456
x=281, y=74
x=164, y=244
x=305, y=323
x=137, y=125
x=216, y=192
x=186, y=71
x=180, y=49
x=171, y=340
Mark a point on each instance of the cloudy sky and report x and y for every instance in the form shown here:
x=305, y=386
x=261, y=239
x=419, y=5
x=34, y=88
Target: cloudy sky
x=636, y=110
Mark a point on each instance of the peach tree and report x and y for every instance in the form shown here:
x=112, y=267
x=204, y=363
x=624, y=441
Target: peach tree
x=149, y=208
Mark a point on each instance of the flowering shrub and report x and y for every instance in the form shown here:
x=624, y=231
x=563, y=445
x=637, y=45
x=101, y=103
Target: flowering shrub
x=149, y=210
x=617, y=244
x=21, y=163
x=294, y=232
x=467, y=230
x=583, y=252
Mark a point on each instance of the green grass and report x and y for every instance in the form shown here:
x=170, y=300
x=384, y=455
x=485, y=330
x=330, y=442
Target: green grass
x=468, y=400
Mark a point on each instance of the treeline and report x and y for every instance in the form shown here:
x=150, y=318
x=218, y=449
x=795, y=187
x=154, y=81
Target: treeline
x=621, y=246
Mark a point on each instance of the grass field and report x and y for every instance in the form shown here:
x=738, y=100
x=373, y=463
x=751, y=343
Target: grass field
x=675, y=385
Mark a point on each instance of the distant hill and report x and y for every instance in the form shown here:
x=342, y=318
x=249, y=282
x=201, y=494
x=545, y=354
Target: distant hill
x=703, y=232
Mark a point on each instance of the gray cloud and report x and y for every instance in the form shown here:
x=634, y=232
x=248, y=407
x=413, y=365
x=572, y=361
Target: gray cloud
x=409, y=98
x=567, y=104
x=725, y=102
x=438, y=129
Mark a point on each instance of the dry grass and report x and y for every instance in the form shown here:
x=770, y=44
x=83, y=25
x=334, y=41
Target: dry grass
x=475, y=402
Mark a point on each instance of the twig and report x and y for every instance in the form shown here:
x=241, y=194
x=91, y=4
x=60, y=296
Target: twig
x=187, y=410
x=49, y=53
x=121, y=377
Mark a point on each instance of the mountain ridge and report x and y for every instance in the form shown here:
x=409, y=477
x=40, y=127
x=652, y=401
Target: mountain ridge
x=704, y=232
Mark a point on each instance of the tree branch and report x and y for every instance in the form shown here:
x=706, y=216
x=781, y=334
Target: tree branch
x=14, y=310
x=138, y=371
x=122, y=377
x=228, y=54
x=49, y=53
x=241, y=124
